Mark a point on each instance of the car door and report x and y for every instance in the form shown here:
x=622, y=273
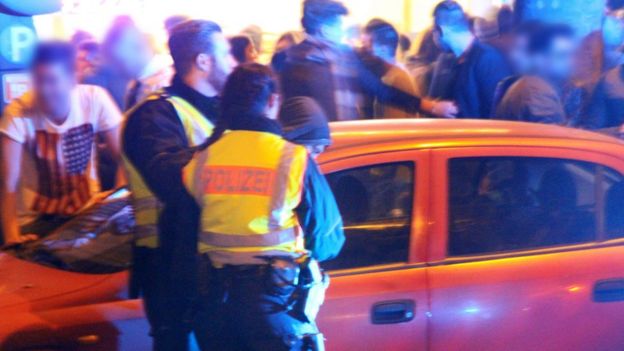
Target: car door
x=377, y=298
x=526, y=250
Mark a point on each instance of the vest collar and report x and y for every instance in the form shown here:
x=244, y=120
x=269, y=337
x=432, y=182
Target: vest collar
x=208, y=106
x=256, y=123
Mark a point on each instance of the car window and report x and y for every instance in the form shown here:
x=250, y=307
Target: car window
x=97, y=241
x=376, y=206
x=500, y=204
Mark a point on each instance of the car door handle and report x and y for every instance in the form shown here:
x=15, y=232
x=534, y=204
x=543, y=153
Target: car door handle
x=391, y=312
x=609, y=290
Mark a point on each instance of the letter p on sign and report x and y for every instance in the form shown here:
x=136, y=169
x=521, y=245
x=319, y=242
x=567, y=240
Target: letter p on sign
x=17, y=43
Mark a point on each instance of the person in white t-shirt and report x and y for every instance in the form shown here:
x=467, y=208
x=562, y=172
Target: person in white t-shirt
x=48, y=164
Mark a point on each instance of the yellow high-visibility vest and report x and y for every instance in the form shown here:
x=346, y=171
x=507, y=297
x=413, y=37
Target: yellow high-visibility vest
x=248, y=185
x=146, y=206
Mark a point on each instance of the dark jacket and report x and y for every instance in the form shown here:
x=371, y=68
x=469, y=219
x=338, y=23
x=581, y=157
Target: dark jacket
x=475, y=78
x=606, y=107
x=338, y=78
x=155, y=143
x=531, y=99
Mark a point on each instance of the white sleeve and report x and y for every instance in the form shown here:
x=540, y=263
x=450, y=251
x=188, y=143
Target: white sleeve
x=13, y=123
x=107, y=113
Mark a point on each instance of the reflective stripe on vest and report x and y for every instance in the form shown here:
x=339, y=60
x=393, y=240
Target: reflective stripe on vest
x=249, y=184
x=146, y=206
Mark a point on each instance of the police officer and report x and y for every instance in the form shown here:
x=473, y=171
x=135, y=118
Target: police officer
x=267, y=215
x=157, y=143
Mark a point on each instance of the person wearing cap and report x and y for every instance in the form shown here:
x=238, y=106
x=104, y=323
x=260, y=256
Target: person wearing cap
x=304, y=122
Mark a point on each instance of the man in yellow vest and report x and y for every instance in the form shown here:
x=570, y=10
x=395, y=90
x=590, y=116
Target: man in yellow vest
x=158, y=141
x=268, y=215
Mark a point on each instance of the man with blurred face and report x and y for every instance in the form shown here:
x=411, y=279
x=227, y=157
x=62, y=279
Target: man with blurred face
x=48, y=146
x=606, y=107
x=127, y=65
x=545, y=94
x=323, y=68
x=159, y=138
x=480, y=66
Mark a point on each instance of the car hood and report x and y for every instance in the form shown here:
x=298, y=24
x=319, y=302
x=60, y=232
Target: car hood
x=30, y=286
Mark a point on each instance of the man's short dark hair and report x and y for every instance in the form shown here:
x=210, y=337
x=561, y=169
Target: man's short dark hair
x=317, y=13
x=172, y=21
x=247, y=92
x=450, y=13
x=90, y=46
x=615, y=4
x=55, y=52
x=239, y=45
x=189, y=39
x=541, y=39
x=383, y=33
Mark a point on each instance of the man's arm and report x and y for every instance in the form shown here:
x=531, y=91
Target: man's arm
x=10, y=173
x=319, y=216
x=155, y=143
x=385, y=94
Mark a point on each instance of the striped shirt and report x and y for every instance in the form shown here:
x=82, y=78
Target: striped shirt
x=59, y=174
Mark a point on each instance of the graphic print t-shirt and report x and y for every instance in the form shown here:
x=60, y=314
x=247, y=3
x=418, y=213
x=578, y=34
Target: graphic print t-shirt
x=59, y=174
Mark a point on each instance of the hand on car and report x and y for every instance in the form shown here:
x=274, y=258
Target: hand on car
x=446, y=109
x=21, y=239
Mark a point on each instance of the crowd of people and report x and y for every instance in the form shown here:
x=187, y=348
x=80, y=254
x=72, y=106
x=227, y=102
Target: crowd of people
x=104, y=114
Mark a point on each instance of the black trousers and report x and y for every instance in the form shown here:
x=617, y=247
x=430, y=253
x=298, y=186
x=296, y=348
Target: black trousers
x=241, y=309
x=169, y=318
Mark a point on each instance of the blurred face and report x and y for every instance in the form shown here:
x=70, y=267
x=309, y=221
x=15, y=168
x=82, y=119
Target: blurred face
x=223, y=62
x=519, y=55
x=613, y=29
x=334, y=30
x=251, y=54
x=85, y=61
x=53, y=84
x=283, y=45
x=558, y=63
x=131, y=53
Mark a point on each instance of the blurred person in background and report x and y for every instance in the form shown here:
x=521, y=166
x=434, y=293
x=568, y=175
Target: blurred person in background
x=80, y=36
x=304, y=122
x=87, y=58
x=243, y=49
x=256, y=35
x=159, y=138
x=518, y=57
x=323, y=68
x=48, y=166
x=130, y=67
x=471, y=84
x=422, y=64
x=125, y=54
x=283, y=43
x=381, y=40
x=546, y=93
x=606, y=106
x=605, y=47
x=172, y=21
x=405, y=45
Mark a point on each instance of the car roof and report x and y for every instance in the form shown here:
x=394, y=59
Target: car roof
x=423, y=130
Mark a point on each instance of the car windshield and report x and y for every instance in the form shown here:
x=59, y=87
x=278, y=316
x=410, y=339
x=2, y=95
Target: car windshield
x=97, y=241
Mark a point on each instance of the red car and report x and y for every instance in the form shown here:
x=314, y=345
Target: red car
x=461, y=235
